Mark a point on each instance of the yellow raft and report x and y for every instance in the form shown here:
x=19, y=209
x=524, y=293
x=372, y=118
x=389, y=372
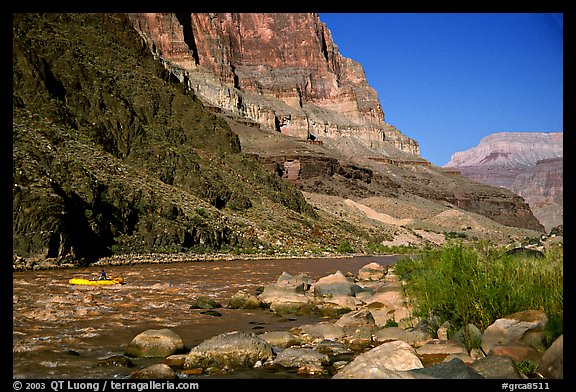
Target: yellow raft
x=95, y=282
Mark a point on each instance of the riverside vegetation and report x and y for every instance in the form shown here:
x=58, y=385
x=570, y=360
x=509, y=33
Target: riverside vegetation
x=476, y=284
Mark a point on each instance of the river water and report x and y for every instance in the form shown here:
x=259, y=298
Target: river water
x=63, y=331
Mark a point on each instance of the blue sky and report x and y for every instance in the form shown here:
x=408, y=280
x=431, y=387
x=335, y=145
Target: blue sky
x=448, y=80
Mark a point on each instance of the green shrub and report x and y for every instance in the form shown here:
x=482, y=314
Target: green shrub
x=376, y=248
x=527, y=367
x=453, y=234
x=390, y=323
x=479, y=284
x=345, y=247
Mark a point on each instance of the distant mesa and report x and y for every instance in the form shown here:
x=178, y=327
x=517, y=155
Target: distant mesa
x=529, y=164
x=512, y=149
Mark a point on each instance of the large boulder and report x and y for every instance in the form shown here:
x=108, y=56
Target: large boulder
x=389, y=303
x=175, y=361
x=518, y=353
x=243, y=300
x=157, y=371
x=203, y=302
x=334, y=285
x=297, y=280
x=384, y=361
x=333, y=349
x=282, y=339
x=306, y=360
x=394, y=333
x=552, y=362
x=356, y=318
x=496, y=366
x=288, y=295
x=155, y=343
x=229, y=350
x=383, y=313
x=299, y=357
x=368, y=371
x=334, y=307
x=453, y=369
x=320, y=331
x=436, y=350
x=372, y=272
x=525, y=327
x=358, y=326
x=281, y=289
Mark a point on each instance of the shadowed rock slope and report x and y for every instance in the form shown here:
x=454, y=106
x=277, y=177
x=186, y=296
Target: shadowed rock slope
x=112, y=155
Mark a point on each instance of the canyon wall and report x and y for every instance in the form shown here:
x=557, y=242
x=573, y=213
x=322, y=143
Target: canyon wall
x=113, y=154
x=281, y=71
x=284, y=73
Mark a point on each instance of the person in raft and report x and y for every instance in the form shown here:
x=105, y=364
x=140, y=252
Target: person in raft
x=103, y=275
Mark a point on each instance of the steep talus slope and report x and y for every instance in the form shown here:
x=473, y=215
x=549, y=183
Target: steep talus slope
x=528, y=163
x=425, y=203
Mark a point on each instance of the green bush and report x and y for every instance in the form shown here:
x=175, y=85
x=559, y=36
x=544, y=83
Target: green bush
x=479, y=284
x=527, y=367
x=390, y=323
x=345, y=247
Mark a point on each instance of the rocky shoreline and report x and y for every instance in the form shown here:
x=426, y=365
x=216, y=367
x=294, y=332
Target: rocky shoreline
x=367, y=331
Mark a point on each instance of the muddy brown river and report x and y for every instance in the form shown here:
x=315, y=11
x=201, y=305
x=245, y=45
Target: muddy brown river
x=62, y=330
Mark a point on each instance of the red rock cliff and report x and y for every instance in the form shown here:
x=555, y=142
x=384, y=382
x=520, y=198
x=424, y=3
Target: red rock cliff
x=233, y=61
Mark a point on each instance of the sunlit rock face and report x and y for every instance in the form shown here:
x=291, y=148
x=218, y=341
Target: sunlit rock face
x=282, y=71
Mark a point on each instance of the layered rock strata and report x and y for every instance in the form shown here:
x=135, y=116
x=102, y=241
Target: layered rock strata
x=284, y=73
x=529, y=164
x=281, y=71
x=542, y=186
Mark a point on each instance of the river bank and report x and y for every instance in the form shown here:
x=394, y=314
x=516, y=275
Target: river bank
x=21, y=264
